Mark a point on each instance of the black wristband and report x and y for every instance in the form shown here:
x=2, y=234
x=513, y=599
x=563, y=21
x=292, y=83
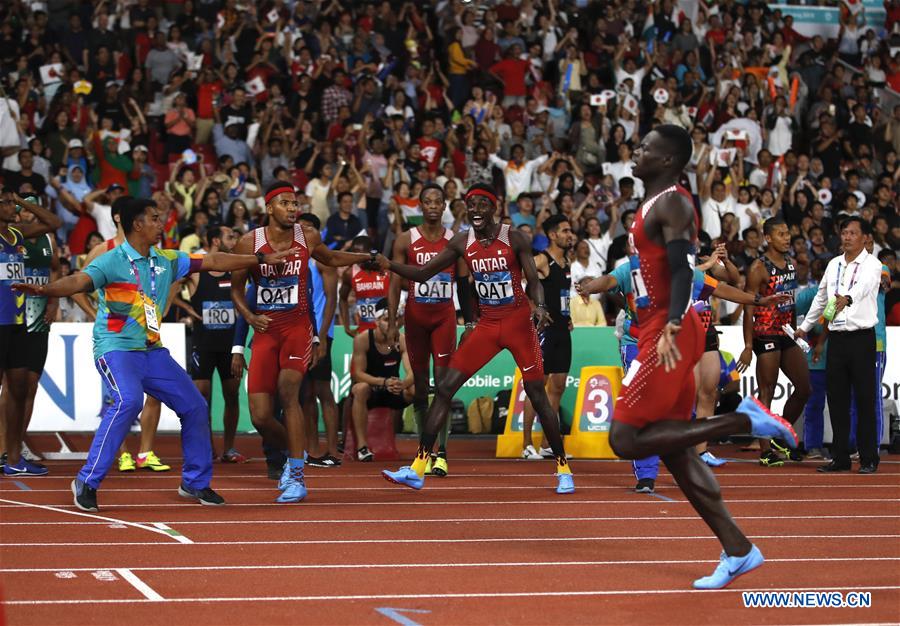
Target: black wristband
x=261, y=258
x=373, y=256
x=756, y=299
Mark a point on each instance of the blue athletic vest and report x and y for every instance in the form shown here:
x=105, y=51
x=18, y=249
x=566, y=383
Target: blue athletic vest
x=12, y=270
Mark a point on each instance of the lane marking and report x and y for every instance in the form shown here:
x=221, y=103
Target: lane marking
x=22, y=486
x=312, y=486
x=83, y=514
x=449, y=596
x=660, y=496
x=426, y=520
x=304, y=542
x=351, y=566
x=177, y=536
x=558, y=502
x=395, y=615
x=146, y=590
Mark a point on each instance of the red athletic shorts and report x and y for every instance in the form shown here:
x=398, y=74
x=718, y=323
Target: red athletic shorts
x=282, y=347
x=515, y=332
x=430, y=331
x=649, y=393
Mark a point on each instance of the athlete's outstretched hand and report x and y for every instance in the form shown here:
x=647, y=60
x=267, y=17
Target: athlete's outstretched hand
x=383, y=263
x=666, y=349
x=278, y=258
x=776, y=299
x=238, y=365
x=744, y=360
x=542, y=319
x=260, y=323
x=29, y=288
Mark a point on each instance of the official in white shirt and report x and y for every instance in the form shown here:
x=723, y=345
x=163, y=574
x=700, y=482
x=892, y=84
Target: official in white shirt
x=851, y=283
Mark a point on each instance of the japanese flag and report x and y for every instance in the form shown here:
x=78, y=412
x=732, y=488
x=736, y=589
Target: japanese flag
x=272, y=15
x=255, y=86
x=52, y=73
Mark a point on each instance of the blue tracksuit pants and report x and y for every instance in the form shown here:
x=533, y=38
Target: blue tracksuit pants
x=127, y=376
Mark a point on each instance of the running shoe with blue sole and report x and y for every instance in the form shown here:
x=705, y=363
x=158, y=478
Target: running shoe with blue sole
x=729, y=568
x=710, y=459
x=404, y=476
x=565, y=483
x=294, y=491
x=766, y=425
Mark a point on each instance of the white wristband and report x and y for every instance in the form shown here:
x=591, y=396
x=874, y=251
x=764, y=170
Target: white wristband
x=237, y=350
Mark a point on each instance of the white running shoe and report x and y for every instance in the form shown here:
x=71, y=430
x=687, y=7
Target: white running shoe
x=547, y=453
x=28, y=455
x=531, y=454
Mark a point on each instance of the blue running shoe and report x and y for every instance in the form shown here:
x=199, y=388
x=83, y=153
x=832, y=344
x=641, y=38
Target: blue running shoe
x=24, y=468
x=565, y=483
x=404, y=476
x=729, y=568
x=710, y=459
x=294, y=491
x=764, y=424
x=285, y=477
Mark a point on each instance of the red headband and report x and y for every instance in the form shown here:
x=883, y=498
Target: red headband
x=481, y=192
x=286, y=188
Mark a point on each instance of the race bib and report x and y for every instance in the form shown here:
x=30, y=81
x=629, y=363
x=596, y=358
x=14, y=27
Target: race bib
x=564, y=302
x=366, y=309
x=494, y=288
x=436, y=290
x=787, y=305
x=12, y=270
x=277, y=294
x=218, y=315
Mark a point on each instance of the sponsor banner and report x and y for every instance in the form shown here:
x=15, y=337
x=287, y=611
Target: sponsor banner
x=70, y=393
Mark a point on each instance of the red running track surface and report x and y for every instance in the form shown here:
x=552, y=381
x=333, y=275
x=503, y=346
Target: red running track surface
x=490, y=544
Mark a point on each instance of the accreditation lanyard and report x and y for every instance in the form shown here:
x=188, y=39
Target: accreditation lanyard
x=149, y=303
x=839, y=285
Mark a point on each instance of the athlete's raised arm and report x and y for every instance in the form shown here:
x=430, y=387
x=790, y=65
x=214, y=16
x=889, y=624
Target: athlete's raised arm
x=322, y=253
x=676, y=219
x=239, y=288
x=535, y=290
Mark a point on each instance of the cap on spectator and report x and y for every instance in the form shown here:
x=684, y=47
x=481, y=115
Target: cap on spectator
x=75, y=143
x=115, y=187
x=112, y=83
x=231, y=121
x=140, y=148
x=626, y=181
x=220, y=178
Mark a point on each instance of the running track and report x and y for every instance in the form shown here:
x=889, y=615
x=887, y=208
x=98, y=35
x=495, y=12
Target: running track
x=491, y=544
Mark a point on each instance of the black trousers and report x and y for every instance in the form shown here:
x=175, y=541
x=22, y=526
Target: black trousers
x=851, y=365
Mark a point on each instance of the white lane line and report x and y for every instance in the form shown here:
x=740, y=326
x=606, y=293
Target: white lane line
x=437, y=520
x=325, y=542
x=146, y=590
x=559, y=593
x=312, y=485
x=12, y=503
x=174, y=534
x=559, y=501
x=187, y=568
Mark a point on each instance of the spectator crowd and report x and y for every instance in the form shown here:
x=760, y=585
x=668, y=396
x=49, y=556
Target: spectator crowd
x=200, y=104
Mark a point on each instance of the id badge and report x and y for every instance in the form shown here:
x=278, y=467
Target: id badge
x=150, y=316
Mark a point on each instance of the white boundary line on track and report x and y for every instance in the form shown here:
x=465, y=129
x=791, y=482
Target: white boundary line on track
x=559, y=501
x=305, y=542
x=437, y=520
x=672, y=489
x=188, y=568
x=146, y=590
x=445, y=596
x=113, y=520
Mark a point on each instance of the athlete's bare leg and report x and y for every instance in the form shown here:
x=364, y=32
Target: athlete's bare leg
x=555, y=384
x=699, y=485
x=295, y=427
x=329, y=414
x=767, y=366
x=15, y=384
x=706, y=378
x=436, y=418
x=536, y=392
x=149, y=422
x=361, y=393
x=669, y=436
x=262, y=411
x=231, y=412
x=794, y=366
x=311, y=415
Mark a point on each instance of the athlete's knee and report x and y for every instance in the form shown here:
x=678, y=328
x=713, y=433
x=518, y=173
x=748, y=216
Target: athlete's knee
x=803, y=390
x=361, y=390
x=448, y=386
x=621, y=440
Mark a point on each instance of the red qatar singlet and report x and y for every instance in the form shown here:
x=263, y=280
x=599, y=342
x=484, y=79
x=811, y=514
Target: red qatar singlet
x=497, y=274
x=281, y=289
x=437, y=292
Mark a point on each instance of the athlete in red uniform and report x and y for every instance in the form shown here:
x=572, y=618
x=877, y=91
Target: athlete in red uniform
x=369, y=284
x=283, y=330
x=430, y=315
x=497, y=257
x=654, y=418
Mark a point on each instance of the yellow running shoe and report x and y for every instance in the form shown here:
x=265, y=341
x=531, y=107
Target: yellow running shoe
x=150, y=461
x=126, y=462
x=440, y=468
x=429, y=465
